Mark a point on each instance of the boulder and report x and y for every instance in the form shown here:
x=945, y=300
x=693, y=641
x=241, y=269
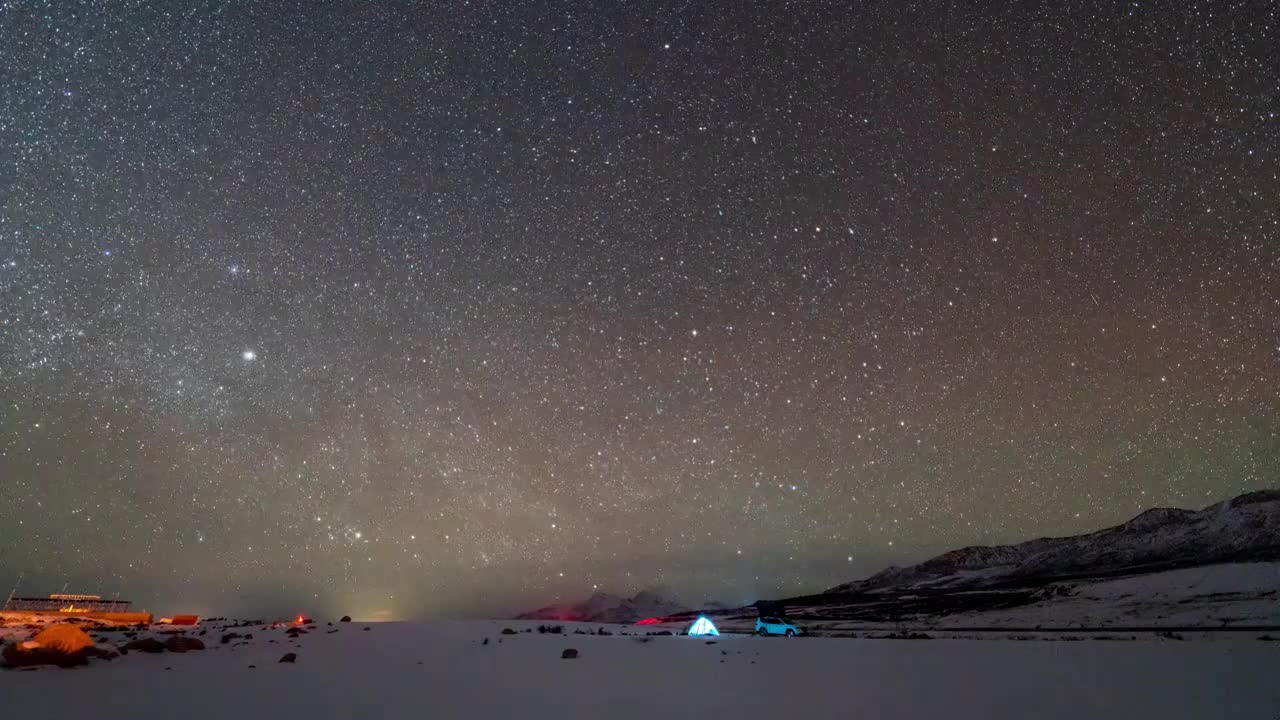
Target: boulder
x=182, y=643
x=569, y=654
x=17, y=656
x=289, y=657
x=63, y=638
x=345, y=618
x=63, y=645
x=146, y=645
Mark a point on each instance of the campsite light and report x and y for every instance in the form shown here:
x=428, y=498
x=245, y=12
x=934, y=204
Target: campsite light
x=703, y=626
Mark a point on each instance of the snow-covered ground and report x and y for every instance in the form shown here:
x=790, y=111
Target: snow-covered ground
x=1225, y=595
x=443, y=670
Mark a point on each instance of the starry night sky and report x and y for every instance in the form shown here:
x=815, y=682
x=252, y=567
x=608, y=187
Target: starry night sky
x=402, y=309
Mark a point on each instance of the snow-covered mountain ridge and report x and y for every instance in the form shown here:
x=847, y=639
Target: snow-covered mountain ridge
x=607, y=608
x=1243, y=529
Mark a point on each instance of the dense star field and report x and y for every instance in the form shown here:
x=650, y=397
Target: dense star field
x=402, y=309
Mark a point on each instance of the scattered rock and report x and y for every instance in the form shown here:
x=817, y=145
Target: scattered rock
x=289, y=657
x=229, y=637
x=252, y=667
x=367, y=628
x=102, y=653
x=345, y=618
x=486, y=641
x=903, y=635
x=508, y=631
x=146, y=645
x=569, y=654
x=182, y=643
x=711, y=642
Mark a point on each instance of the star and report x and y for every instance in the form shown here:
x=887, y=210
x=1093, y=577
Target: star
x=566, y=322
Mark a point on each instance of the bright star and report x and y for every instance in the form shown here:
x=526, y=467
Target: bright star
x=249, y=355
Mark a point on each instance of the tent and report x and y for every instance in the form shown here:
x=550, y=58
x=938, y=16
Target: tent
x=703, y=626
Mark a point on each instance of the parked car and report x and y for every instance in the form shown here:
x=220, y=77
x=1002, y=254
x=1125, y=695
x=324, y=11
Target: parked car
x=775, y=626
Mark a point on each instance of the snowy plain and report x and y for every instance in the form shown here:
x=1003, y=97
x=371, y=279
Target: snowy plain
x=444, y=670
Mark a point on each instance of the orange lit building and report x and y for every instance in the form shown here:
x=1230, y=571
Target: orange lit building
x=90, y=606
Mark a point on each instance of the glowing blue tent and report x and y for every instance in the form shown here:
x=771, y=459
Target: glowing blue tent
x=703, y=626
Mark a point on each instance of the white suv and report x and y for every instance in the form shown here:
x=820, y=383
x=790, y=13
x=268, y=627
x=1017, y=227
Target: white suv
x=774, y=626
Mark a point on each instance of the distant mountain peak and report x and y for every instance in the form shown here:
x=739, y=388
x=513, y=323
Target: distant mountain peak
x=1241, y=529
x=608, y=608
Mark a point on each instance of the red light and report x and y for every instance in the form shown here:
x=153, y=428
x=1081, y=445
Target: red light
x=649, y=621
x=300, y=620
